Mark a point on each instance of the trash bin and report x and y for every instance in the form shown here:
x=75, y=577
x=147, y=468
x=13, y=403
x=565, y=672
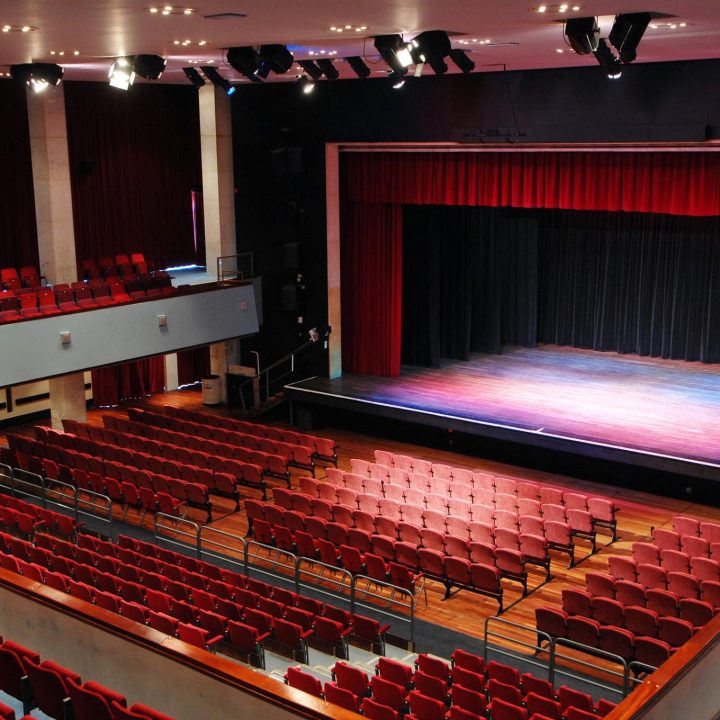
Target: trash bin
x=211, y=390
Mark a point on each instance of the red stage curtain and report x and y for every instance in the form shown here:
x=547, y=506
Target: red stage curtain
x=676, y=183
x=372, y=288
x=134, y=161
x=193, y=365
x=129, y=381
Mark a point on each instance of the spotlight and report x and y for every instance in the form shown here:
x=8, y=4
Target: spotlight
x=397, y=78
x=306, y=84
x=278, y=57
x=246, y=61
x=121, y=74
x=394, y=51
x=608, y=60
x=194, y=76
x=149, y=67
x=359, y=66
x=626, y=33
x=311, y=69
x=461, y=59
x=217, y=79
x=582, y=34
x=328, y=69
x=37, y=76
x=431, y=47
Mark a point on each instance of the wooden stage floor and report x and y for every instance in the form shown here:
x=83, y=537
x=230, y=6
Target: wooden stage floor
x=659, y=414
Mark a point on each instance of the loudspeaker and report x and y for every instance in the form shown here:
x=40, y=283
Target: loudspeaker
x=291, y=256
x=289, y=298
x=286, y=160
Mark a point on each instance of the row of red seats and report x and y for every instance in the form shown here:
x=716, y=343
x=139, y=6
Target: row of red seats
x=190, y=448
x=433, y=690
x=401, y=564
x=11, y=279
x=26, y=517
x=702, y=568
x=120, y=264
x=296, y=455
x=59, y=692
x=98, y=457
x=674, y=558
x=324, y=449
x=652, y=651
x=107, y=477
x=640, y=619
x=447, y=534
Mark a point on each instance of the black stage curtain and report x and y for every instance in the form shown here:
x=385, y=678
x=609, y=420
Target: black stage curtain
x=18, y=233
x=475, y=279
x=469, y=282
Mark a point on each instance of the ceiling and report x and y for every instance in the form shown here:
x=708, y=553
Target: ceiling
x=497, y=33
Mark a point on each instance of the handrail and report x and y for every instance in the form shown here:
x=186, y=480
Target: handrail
x=159, y=524
x=205, y=551
x=221, y=261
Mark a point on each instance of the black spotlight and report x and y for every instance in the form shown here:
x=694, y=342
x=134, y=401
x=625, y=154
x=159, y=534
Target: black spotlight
x=311, y=68
x=608, y=60
x=394, y=51
x=582, y=34
x=194, y=77
x=431, y=47
x=358, y=66
x=462, y=60
x=278, y=58
x=246, y=61
x=150, y=67
x=306, y=84
x=626, y=33
x=218, y=80
x=37, y=76
x=328, y=69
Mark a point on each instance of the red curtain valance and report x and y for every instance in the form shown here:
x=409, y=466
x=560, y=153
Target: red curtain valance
x=676, y=183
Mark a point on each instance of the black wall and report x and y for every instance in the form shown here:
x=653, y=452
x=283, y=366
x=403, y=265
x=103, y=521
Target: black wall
x=280, y=200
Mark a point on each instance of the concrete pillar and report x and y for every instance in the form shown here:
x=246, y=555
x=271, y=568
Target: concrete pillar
x=171, y=372
x=55, y=229
x=67, y=399
x=217, y=174
x=218, y=201
x=332, y=204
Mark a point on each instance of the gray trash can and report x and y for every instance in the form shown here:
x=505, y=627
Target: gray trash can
x=211, y=390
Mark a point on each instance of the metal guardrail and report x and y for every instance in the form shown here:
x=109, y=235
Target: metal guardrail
x=173, y=531
x=235, y=267
x=212, y=541
x=50, y=492
x=626, y=677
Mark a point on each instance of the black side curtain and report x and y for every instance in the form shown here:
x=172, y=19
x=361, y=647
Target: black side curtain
x=475, y=279
x=469, y=282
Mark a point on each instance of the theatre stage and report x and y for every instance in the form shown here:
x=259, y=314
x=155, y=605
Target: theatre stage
x=646, y=412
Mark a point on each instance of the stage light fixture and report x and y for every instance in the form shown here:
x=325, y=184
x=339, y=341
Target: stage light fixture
x=394, y=51
x=608, y=60
x=218, y=80
x=306, y=84
x=278, y=58
x=582, y=34
x=194, y=76
x=397, y=78
x=431, y=47
x=328, y=69
x=358, y=66
x=311, y=68
x=121, y=74
x=462, y=60
x=246, y=61
x=37, y=76
x=626, y=33
x=150, y=67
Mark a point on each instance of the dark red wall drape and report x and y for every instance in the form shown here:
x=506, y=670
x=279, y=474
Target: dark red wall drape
x=18, y=233
x=377, y=185
x=134, y=161
x=675, y=183
x=193, y=365
x=129, y=381
x=371, y=254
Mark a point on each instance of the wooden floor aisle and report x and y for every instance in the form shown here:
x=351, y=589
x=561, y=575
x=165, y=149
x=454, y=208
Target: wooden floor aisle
x=467, y=611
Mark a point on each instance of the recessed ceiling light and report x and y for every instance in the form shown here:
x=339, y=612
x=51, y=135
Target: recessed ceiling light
x=19, y=28
x=322, y=52
x=559, y=50
x=475, y=41
x=668, y=25
x=187, y=42
x=555, y=8
x=343, y=28
x=171, y=10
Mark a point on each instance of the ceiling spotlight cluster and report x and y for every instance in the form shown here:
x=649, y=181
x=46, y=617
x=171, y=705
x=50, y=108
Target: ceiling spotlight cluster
x=583, y=36
x=37, y=76
x=171, y=10
x=124, y=69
